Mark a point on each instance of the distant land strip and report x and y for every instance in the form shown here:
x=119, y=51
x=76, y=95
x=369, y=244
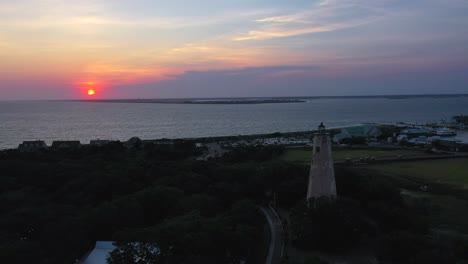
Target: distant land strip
x=198, y=101
x=273, y=101
x=260, y=100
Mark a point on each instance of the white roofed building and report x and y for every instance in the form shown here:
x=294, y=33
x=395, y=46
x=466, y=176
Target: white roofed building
x=99, y=254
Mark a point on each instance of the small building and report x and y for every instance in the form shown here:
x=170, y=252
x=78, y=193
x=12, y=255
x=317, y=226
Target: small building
x=340, y=137
x=450, y=144
x=103, y=248
x=402, y=138
x=213, y=150
x=433, y=139
x=30, y=146
x=72, y=144
x=364, y=131
x=420, y=141
x=133, y=142
x=99, y=254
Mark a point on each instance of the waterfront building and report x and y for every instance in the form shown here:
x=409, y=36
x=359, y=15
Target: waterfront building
x=445, y=132
x=421, y=140
x=450, y=144
x=133, y=143
x=322, y=173
x=98, y=142
x=29, y=146
x=364, y=131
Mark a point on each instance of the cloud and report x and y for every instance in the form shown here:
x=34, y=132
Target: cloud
x=119, y=42
x=65, y=14
x=281, y=32
x=285, y=73
x=219, y=54
x=325, y=16
x=278, y=19
x=295, y=81
x=222, y=83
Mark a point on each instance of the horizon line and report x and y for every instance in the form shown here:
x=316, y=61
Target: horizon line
x=249, y=97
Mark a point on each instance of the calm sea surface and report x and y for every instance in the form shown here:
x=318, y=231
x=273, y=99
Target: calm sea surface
x=58, y=120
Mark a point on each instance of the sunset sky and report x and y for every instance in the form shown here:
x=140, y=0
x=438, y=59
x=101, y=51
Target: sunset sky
x=60, y=49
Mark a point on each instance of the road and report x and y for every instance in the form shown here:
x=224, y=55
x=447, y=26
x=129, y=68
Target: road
x=275, y=252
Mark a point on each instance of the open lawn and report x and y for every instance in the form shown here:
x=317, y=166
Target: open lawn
x=450, y=171
x=305, y=155
x=446, y=213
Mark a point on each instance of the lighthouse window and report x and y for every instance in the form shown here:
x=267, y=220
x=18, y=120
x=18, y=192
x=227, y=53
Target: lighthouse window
x=317, y=149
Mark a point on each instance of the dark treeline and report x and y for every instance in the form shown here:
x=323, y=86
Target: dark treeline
x=55, y=204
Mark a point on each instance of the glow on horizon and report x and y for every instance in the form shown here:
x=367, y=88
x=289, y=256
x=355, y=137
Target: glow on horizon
x=52, y=48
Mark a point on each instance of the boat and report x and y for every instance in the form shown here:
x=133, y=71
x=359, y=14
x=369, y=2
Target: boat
x=445, y=132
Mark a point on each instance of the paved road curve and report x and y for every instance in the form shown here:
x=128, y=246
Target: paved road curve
x=275, y=251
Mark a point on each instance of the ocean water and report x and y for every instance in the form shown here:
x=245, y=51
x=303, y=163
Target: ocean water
x=61, y=120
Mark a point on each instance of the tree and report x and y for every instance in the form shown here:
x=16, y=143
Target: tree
x=135, y=253
x=332, y=225
x=354, y=141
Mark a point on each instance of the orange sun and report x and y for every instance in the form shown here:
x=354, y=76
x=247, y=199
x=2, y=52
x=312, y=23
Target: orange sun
x=91, y=92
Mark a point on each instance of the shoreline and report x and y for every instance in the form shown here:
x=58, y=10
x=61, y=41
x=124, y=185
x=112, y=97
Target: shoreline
x=298, y=135
x=209, y=139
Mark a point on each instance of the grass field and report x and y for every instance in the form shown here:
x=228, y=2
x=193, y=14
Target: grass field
x=446, y=212
x=448, y=207
x=305, y=155
x=449, y=210
x=449, y=171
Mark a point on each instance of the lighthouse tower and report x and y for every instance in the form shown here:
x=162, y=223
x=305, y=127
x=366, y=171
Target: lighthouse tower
x=322, y=174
